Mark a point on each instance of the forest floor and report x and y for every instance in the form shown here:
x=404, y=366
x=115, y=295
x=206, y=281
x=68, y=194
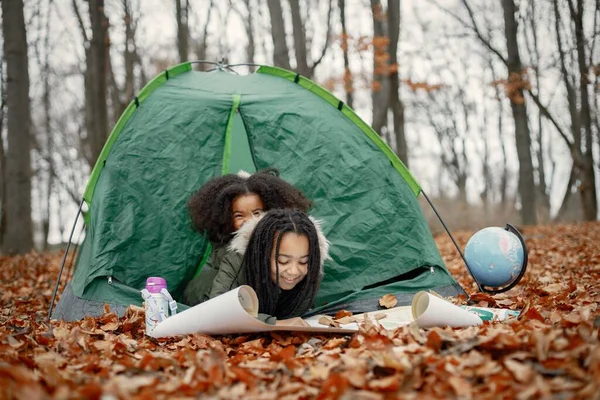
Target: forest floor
x=552, y=350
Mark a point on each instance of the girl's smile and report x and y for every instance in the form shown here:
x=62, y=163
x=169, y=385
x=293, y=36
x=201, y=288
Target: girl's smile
x=245, y=207
x=292, y=260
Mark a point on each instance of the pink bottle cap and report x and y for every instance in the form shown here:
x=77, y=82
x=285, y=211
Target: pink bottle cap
x=155, y=284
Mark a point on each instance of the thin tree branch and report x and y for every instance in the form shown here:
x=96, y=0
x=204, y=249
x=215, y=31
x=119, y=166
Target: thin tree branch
x=327, y=40
x=486, y=42
x=472, y=27
x=80, y=22
x=544, y=110
x=595, y=33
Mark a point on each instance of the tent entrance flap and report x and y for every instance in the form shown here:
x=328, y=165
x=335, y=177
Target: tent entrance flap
x=240, y=157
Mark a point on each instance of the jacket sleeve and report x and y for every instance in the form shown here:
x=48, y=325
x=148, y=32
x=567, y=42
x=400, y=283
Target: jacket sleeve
x=198, y=289
x=228, y=275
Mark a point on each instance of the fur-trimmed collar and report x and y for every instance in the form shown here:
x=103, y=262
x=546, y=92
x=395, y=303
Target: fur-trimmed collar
x=239, y=243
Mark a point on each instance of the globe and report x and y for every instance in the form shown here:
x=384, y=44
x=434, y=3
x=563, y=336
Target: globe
x=495, y=257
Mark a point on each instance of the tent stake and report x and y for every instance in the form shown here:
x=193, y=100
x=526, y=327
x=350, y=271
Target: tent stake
x=453, y=241
x=63, y=261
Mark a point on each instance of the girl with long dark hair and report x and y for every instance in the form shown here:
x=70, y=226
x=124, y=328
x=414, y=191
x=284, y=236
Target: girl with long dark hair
x=282, y=255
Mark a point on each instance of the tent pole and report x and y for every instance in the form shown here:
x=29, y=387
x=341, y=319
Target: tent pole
x=453, y=241
x=74, y=253
x=63, y=260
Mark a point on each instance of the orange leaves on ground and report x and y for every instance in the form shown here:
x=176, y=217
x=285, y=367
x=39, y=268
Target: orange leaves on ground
x=552, y=350
x=342, y=314
x=484, y=299
x=434, y=341
x=333, y=388
x=388, y=301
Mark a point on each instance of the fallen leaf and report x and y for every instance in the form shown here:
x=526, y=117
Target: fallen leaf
x=388, y=301
x=461, y=387
x=434, y=341
x=346, y=320
x=14, y=343
x=388, y=384
x=356, y=378
x=342, y=314
x=334, y=343
x=111, y=326
x=333, y=387
x=521, y=372
x=328, y=321
x=415, y=332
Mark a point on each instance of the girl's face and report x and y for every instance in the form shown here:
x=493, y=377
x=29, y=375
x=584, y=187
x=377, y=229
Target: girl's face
x=293, y=260
x=244, y=207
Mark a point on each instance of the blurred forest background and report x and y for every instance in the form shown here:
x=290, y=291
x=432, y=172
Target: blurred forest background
x=493, y=105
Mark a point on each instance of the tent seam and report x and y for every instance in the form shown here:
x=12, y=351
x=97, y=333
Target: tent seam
x=227, y=146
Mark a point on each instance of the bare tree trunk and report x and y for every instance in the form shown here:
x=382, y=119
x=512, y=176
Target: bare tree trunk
x=223, y=43
x=96, y=81
x=348, y=80
x=248, y=18
x=19, y=231
x=299, y=39
x=114, y=94
x=49, y=137
x=485, y=194
x=527, y=190
x=251, y=47
x=596, y=83
x=587, y=188
x=381, y=86
x=3, y=175
x=201, y=44
x=181, y=14
x=533, y=49
x=281, y=57
x=129, y=52
x=396, y=105
x=504, y=173
x=564, y=205
x=574, y=146
x=121, y=96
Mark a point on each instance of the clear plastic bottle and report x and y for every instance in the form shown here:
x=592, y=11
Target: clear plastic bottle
x=158, y=302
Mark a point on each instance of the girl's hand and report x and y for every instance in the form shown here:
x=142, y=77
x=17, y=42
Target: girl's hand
x=297, y=321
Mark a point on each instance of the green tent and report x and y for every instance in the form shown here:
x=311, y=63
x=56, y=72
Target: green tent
x=186, y=127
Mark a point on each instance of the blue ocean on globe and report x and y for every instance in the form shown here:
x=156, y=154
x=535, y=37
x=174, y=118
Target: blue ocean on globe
x=495, y=256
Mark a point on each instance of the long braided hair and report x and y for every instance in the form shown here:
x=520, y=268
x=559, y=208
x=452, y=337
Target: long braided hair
x=211, y=206
x=265, y=241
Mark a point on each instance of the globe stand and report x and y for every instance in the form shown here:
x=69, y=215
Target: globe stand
x=480, y=287
x=515, y=281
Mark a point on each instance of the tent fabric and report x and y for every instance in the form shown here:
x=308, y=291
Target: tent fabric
x=188, y=127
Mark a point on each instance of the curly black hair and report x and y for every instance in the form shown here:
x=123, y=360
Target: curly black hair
x=265, y=239
x=210, y=207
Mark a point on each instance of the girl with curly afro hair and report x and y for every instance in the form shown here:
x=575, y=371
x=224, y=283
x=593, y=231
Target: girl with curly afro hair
x=223, y=205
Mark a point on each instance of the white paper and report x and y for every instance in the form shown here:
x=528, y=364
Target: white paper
x=231, y=312
x=236, y=311
x=429, y=310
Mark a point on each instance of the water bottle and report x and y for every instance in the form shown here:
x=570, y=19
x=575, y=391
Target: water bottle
x=158, y=302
